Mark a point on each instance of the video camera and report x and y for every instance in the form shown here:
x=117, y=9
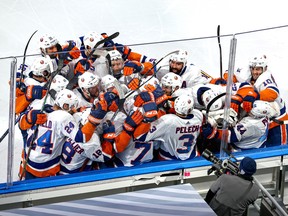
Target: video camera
x=219, y=167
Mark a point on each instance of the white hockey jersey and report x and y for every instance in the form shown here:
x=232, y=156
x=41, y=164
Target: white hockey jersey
x=191, y=75
x=249, y=133
x=176, y=136
x=77, y=156
x=44, y=158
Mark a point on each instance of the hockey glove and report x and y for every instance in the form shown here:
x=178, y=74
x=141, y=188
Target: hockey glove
x=20, y=88
x=111, y=99
x=97, y=114
x=148, y=69
x=132, y=122
x=150, y=111
x=218, y=81
x=71, y=51
x=132, y=67
x=142, y=98
x=34, y=92
x=109, y=131
x=236, y=101
x=124, y=50
x=134, y=84
x=36, y=117
x=249, y=99
x=160, y=96
x=81, y=66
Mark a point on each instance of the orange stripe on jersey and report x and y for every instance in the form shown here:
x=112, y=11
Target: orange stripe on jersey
x=107, y=149
x=243, y=91
x=45, y=173
x=23, y=124
x=141, y=129
x=134, y=56
x=274, y=124
x=268, y=95
x=121, y=141
x=284, y=135
x=21, y=104
x=88, y=130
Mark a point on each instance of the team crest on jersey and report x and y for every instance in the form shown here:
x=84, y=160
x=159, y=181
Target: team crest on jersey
x=69, y=95
x=91, y=39
x=41, y=62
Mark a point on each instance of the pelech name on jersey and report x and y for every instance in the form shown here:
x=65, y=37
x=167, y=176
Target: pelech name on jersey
x=190, y=129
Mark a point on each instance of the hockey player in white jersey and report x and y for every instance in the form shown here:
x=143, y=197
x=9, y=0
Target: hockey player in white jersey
x=88, y=89
x=32, y=87
x=251, y=131
x=44, y=159
x=175, y=134
x=78, y=156
x=190, y=74
x=266, y=88
x=50, y=48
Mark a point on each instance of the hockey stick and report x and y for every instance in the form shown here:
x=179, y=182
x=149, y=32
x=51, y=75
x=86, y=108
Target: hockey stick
x=281, y=122
x=21, y=77
x=211, y=103
x=220, y=50
x=24, y=55
x=121, y=98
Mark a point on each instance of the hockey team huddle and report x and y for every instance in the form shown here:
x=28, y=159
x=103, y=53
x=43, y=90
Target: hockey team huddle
x=93, y=103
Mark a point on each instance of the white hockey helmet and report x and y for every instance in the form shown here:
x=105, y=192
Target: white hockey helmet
x=59, y=83
x=261, y=109
x=67, y=100
x=184, y=104
x=107, y=82
x=180, y=56
x=258, y=61
x=91, y=38
x=208, y=96
x=41, y=66
x=114, y=55
x=171, y=80
x=88, y=80
x=46, y=41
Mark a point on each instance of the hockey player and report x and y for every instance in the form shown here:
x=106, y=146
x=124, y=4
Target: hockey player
x=46, y=146
x=49, y=47
x=130, y=71
x=175, y=134
x=33, y=84
x=78, y=156
x=265, y=88
x=190, y=74
x=251, y=131
x=88, y=89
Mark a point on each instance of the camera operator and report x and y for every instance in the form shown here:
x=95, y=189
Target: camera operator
x=232, y=194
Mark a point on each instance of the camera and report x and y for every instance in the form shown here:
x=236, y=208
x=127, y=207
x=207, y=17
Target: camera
x=219, y=167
